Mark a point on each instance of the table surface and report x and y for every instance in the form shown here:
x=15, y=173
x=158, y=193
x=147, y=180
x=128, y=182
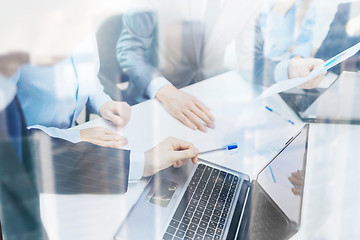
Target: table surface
x=331, y=206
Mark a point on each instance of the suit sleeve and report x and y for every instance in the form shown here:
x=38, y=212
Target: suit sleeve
x=134, y=43
x=81, y=168
x=250, y=51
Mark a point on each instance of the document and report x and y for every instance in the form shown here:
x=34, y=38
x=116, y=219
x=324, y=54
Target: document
x=291, y=83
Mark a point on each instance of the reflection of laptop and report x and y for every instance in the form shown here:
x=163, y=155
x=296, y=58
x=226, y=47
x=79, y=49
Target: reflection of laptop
x=208, y=201
x=338, y=104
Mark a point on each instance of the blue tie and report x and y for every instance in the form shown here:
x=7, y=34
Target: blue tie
x=14, y=126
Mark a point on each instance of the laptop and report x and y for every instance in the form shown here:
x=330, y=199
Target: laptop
x=339, y=103
x=209, y=201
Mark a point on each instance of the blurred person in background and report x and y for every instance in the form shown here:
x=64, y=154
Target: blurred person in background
x=166, y=45
x=38, y=33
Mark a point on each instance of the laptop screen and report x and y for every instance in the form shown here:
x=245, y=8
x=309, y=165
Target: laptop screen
x=283, y=178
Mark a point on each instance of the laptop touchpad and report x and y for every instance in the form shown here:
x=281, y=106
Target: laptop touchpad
x=162, y=192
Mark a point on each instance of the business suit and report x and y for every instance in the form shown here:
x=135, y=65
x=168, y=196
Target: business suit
x=188, y=45
x=32, y=162
x=338, y=40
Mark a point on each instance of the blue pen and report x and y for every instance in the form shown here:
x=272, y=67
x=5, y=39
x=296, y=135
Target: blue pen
x=227, y=147
x=271, y=110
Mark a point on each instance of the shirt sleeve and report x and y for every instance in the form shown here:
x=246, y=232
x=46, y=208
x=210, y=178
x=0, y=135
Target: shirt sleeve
x=71, y=135
x=281, y=71
x=137, y=163
x=155, y=85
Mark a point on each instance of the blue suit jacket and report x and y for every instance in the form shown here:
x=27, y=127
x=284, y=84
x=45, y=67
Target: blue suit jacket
x=72, y=169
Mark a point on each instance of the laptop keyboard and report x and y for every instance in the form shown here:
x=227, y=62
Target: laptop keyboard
x=203, y=210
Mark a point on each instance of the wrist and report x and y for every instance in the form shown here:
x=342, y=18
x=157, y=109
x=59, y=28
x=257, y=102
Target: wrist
x=164, y=91
x=103, y=107
x=148, y=170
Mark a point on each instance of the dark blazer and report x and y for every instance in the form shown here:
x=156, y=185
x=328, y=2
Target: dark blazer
x=31, y=162
x=338, y=40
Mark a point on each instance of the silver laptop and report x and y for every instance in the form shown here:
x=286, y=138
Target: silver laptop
x=337, y=104
x=208, y=201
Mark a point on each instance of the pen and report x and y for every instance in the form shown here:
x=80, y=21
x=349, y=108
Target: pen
x=227, y=147
x=280, y=115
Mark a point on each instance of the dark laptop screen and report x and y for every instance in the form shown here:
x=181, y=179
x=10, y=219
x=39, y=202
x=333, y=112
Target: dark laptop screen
x=283, y=178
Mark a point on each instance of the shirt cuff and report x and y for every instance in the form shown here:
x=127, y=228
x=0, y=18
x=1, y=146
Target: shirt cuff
x=281, y=72
x=98, y=100
x=137, y=163
x=154, y=86
x=71, y=135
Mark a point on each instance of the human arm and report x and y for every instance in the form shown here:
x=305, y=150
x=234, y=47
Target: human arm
x=87, y=168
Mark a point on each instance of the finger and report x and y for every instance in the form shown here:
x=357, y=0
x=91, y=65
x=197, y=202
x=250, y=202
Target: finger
x=112, y=137
x=117, y=120
x=123, y=110
x=298, y=176
x=194, y=160
x=179, y=144
x=296, y=191
x=186, y=121
x=295, y=181
x=194, y=119
x=205, y=109
x=179, y=163
x=186, y=154
x=112, y=144
x=203, y=116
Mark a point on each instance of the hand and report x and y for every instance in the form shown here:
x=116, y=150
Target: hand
x=171, y=151
x=11, y=62
x=301, y=67
x=103, y=136
x=297, y=180
x=186, y=108
x=116, y=112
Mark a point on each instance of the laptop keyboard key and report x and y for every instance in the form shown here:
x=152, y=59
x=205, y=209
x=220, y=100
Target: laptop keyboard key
x=183, y=227
x=180, y=233
x=193, y=226
x=213, y=225
x=200, y=231
x=208, y=212
x=174, y=223
x=215, y=218
x=203, y=225
x=171, y=230
x=208, y=237
x=188, y=214
x=186, y=220
x=206, y=218
x=198, y=237
x=190, y=234
x=195, y=220
x=198, y=214
x=210, y=231
x=167, y=236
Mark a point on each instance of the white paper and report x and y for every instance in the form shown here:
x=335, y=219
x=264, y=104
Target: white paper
x=291, y=83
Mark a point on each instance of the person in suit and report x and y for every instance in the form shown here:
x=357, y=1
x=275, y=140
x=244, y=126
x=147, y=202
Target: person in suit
x=32, y=162
x=343, y=33
x=188, y=41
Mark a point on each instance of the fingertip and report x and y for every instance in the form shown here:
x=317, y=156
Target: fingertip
x=195, y=151
x=203, y=128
